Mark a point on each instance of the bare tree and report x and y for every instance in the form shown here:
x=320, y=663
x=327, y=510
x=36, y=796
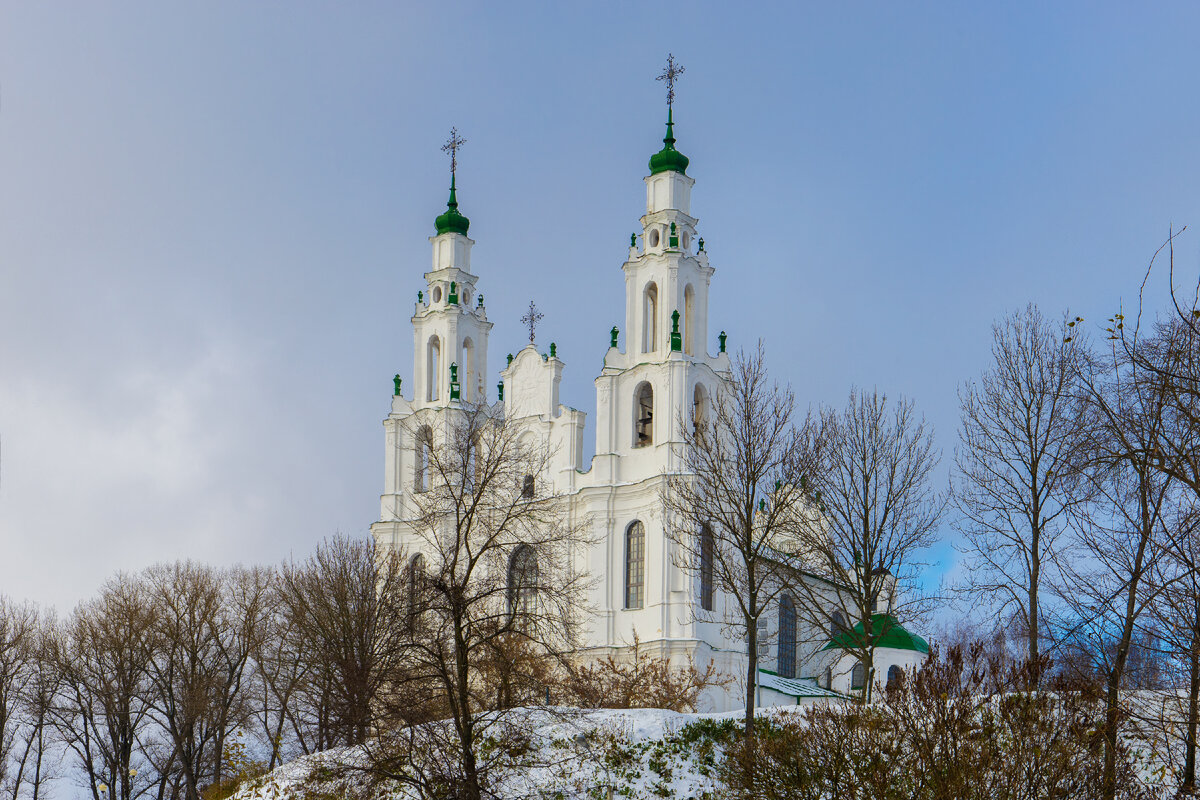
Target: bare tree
x=206, y=625
x=104, y=715
x=1015, y=479
x=18, y=670
x=733, y=508
x=343, y=610
x=496, y=564
x=35, y=755
x=878, y=512
x=1123, y=534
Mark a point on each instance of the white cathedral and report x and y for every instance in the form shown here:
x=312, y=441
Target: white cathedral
x=664, y=375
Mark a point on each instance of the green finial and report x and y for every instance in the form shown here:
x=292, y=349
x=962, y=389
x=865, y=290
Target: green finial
x=452, y=221
x=669, y=159
x=453, y=297
x=612, y=336
x=674, y=242
x=420, y=297
x=479, y=301
x=701, y=244
x=500, y=391
x=721, y=338
x=553, y=350
x=510, y=359
x=676, y=339
x=762, y=505
x=454, y=389
x=633, y=240
x=396, y=381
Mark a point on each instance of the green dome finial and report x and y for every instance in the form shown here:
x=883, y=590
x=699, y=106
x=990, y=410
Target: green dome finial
x=452, y=221
x=669, y=159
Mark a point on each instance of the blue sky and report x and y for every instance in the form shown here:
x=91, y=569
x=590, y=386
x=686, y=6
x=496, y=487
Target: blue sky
x=213, y=222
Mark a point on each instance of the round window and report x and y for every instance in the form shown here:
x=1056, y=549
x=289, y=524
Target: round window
x=654, y=238
x=466, y=296
x=437, y=294
x=687, y=240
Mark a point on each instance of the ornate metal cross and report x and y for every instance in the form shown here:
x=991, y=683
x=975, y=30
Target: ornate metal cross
x=451, y=146
x=531, y=318
x=669, y=75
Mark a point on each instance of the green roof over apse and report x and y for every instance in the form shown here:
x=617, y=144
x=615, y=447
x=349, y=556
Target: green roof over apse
x=888, y=632
x=668, y=159
x=452, y=221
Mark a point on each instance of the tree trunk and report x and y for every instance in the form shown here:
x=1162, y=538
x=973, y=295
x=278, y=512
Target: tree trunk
x=1034, y=621
x=751, y=671
x=1188, y=789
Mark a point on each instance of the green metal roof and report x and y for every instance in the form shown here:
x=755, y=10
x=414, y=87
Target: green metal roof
x=887, y=632
x=795, y=687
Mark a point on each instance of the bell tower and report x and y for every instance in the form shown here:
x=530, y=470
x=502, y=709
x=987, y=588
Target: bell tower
x=450, y=327
x=665, y=377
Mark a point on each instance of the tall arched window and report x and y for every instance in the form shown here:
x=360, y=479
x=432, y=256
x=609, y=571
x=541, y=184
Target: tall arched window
x=423, y=456
x=837, y=623
x=643, y=416
x=689, y=320
x=650, y=319
x=470, y=381
x=787, y=638
x=858, y=676
x=416, y=590
x=699, y=407
x=707, y=555
x=522, y=581
x=433, y=369
x=895, y=677
x=635, y=565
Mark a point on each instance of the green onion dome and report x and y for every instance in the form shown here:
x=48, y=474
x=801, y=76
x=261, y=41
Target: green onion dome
x=452, y=221
x=668, y=159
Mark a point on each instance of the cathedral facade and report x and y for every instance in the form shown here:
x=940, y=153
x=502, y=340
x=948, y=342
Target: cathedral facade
x=664, y=377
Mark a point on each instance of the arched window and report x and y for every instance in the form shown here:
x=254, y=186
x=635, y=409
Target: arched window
x=416, y=589
x=424, y=455
x=522, y=581
x=433, y=369
x=837, y=623
x=689, y=319
x=699, y=407
x=787, y=638
x=707, y=555
x=895, y=677
x=858, y=676
x=650, y=319
x=828, y=677
x=469, y=382
x=528, y=486
x=643, y=416
x=635, y=565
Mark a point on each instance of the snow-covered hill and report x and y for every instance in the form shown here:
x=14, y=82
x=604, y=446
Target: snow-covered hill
x=566, y=753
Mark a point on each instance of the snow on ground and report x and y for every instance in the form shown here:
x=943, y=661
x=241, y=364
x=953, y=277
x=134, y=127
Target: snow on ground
x=574, y=754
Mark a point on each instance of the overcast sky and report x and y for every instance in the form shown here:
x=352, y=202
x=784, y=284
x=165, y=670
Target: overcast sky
x=214, y=221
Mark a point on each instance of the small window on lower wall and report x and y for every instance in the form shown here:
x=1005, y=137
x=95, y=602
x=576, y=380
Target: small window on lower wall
x=895, y=677
x=858, y=676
